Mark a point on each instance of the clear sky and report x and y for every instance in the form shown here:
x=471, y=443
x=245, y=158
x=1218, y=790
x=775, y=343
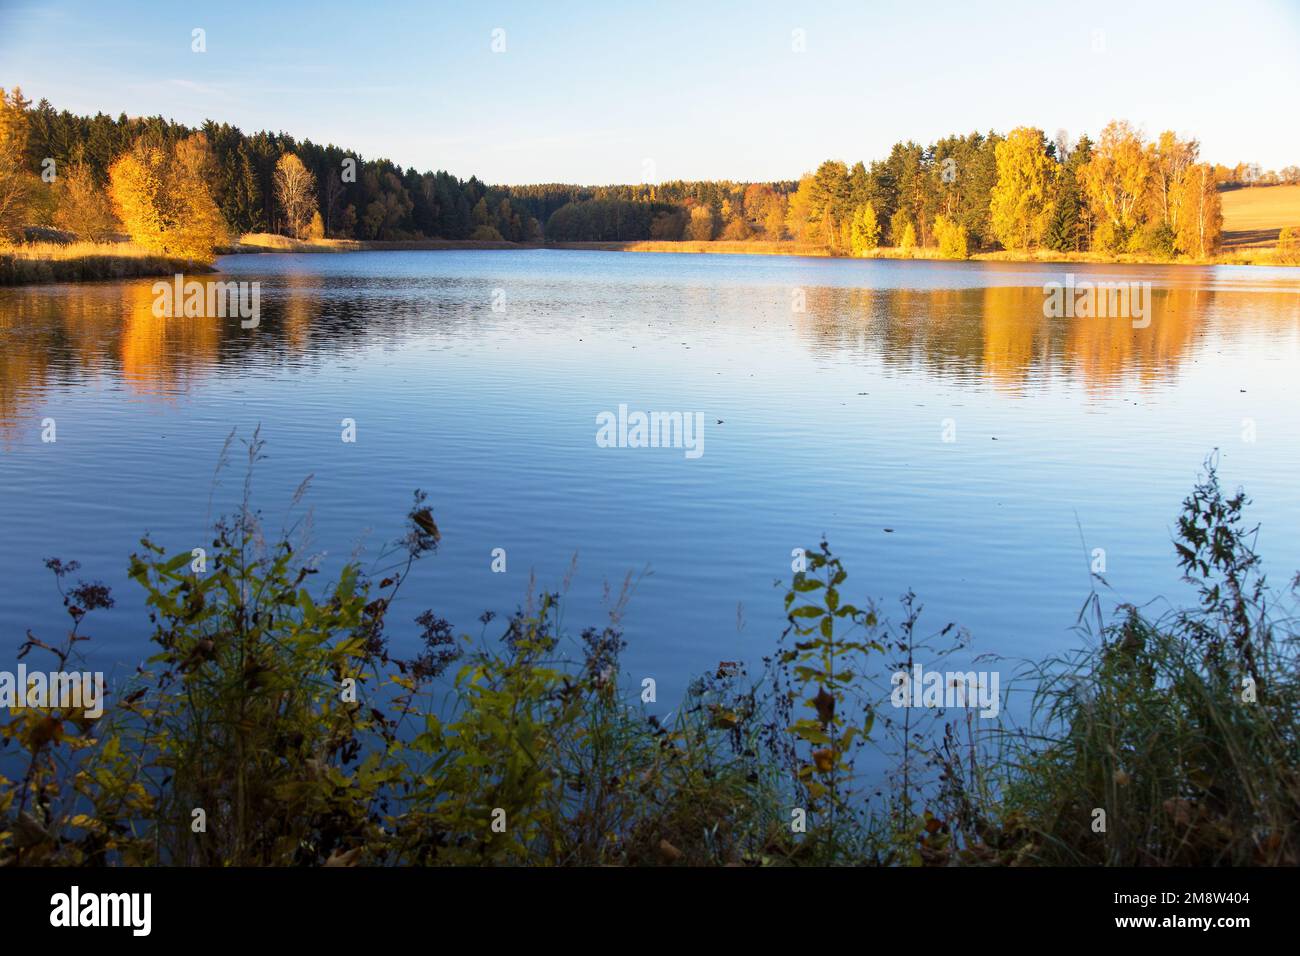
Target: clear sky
x=589, y=91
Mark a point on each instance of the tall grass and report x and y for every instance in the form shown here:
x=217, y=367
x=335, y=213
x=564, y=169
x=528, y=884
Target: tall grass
x=274, y=242
x=40, y=262
x=1181, y=729
x=274, y=725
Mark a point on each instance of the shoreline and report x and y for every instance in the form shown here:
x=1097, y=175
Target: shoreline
x=1256, y=257
x=24, y=267
x=19, y=266
x=1262, y=256
x=266, y=243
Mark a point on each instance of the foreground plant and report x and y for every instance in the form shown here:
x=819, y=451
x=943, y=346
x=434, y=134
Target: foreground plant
x=274, y=727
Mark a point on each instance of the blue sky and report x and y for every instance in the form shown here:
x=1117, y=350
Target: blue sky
x=588, y=92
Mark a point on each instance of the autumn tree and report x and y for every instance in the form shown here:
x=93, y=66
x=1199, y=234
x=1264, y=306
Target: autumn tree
x=774, y=223
x=668, y=226
x=1022, y=201
x=200, y=227
x=735, y=227
x=295, y=191
x=700, y=227
x=161, y=195
x=392, y=206
x=83, y=206
x=757, y=201
x=907, y=241
x=951, y=237
x=865, y=232
x=16, y=182
x=1171, y=161
x=1200, y=218
x=798, y=215
x=899, y=225
x=1117, y=181
x=135, y=186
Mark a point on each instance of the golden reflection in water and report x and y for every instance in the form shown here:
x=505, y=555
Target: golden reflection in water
x=997, y=335
x=1016, y=335
x=160, y=355
x=1001, y=336
x=301, y=308
x=54, y=333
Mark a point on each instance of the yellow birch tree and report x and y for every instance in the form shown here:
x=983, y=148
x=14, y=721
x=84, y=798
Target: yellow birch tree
x=1116, y=181
x=1022, y=201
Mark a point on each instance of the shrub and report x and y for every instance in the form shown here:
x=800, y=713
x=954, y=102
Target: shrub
x=951, y=237
x=737, y=230
x=1288, y=245
x=1157, y=239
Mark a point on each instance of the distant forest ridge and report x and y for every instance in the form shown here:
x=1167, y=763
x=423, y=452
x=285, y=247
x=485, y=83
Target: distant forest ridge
x=374, y=199
x=962, y=193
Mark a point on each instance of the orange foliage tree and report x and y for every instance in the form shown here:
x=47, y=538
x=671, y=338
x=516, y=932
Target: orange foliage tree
x=161, y=195
x=16, y=182
x=1200, y=221
x=1117, y=181
x=1021, y=203
x=84, y=209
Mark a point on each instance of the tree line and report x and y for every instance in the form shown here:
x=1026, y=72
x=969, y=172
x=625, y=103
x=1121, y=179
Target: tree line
x=959, y=195
x=57, y=171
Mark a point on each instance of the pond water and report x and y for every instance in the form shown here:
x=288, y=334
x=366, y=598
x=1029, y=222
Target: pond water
x=926, y=417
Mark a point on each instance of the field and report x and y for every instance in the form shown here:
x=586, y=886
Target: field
x=1253, y=217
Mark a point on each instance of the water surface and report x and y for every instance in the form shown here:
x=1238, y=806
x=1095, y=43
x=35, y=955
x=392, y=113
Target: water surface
x=1071, y=434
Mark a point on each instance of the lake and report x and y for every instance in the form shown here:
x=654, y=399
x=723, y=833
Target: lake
x=926, y=417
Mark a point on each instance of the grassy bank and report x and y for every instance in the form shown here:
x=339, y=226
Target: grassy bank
x=33, y=263
x=272, y=242
x=275, y=725
x=753, y=247
x=41, y=262
x=1239, y=256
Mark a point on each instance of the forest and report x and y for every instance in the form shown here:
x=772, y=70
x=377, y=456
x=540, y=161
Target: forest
x=187, y=191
